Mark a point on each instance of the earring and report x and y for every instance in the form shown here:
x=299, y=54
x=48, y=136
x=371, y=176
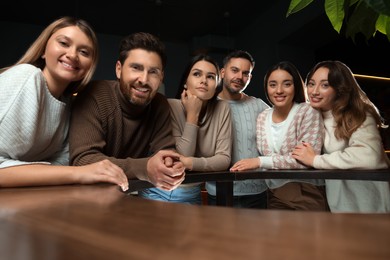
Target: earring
x=185, y=86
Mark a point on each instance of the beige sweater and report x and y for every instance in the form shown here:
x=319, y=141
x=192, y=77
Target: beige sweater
x=209, y=143
x=364, y=150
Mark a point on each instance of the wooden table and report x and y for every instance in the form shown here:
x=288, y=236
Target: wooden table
x=101, y=222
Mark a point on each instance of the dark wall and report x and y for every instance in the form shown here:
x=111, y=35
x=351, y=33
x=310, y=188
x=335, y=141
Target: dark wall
x=303, y=38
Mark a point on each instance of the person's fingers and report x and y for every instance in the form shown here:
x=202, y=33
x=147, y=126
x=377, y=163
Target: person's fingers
x=110, y=172
x=168, y=161
x=167, y=186
x=169, y=153
x=170, y=183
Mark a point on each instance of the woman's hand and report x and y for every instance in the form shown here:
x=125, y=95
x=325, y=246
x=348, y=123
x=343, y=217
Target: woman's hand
x=103, y=171
x=245, y=164
x=304, y=153
x=192, y=105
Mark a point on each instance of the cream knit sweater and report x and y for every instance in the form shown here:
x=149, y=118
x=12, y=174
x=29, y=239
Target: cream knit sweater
x=33, y=124
x=363, y=150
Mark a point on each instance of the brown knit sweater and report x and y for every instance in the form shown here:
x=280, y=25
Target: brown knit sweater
x=104, y=125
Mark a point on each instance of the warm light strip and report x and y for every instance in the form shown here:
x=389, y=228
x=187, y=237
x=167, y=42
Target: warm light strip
x=370, y=77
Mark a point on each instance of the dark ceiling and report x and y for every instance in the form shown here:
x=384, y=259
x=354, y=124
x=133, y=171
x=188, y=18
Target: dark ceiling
x=182, y=20
x=172, y=20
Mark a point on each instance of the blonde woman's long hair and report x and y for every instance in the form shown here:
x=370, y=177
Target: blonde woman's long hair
x=34, y=53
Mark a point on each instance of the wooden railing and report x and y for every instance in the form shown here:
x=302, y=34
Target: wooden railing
x=224, y=179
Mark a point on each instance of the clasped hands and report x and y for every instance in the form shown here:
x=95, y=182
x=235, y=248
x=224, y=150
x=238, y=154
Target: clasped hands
x=165, y=170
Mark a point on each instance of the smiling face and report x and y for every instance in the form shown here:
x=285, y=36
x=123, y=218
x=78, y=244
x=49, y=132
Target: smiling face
x=202, y=80
x=68, y=57
x=280, y=88
x=140, y=76
x=236, y=75
x=321, y=94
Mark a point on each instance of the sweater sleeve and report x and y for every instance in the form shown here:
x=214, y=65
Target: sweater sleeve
x=220, y=161
x=364, y=150
x=16, y=87
x=186, y=144
x=186, y=138
x=162, y=128
x=33, y=124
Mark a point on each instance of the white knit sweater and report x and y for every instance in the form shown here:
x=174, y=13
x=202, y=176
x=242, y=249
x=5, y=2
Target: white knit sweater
x=33, y=124
x=364, y=150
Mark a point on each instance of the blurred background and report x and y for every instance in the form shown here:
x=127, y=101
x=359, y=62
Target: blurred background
x=215, y=27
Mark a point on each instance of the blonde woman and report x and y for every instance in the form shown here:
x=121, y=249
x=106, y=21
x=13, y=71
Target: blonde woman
x=36, y=93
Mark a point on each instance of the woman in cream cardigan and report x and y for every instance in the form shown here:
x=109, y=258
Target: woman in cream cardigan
x=352, y=139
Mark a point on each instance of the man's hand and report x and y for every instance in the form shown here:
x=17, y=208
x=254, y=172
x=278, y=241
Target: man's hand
x=165, y=171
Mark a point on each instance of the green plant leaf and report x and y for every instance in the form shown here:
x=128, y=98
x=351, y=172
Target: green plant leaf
x=356, y=16
x=380, y=6
x=335, y=11
x=383, y=25
x=297, y=5
x=362, y=20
